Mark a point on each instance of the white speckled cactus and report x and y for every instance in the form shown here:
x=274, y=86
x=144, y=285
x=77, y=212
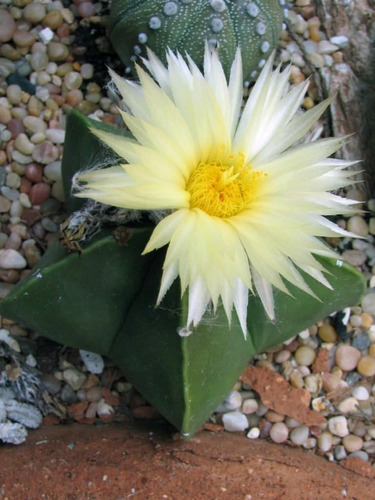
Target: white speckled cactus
x=185, y=25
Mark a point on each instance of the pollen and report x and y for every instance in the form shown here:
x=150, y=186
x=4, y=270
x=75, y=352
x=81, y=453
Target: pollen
x=223, y=188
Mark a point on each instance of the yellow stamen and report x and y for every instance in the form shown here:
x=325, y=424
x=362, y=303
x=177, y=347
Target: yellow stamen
x=223, y=189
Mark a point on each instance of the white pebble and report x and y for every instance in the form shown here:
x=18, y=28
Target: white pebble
x=235, y=421
x=55, y=135
x=348, y=405
x=338, y=426
x=361, y=393
x=324, y=441
x=368, y=303
x=340, y=40
x=253, y=433
x=249, y=406
x=326, y=47
x=93, y=362
x=299, y=434
x=279, y=432
x=232, y=402
x=104, y=409
x=11, y=259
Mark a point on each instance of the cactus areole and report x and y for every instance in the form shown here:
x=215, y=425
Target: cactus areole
x=185, y=25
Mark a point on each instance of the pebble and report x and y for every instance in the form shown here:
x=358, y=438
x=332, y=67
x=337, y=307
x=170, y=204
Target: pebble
x=57, y=51
x=340, y=453
x=45, y=152
x=14, y=94
x=34, y=172
x=352, y=443
x=354, y=257
x=4, y=204
x=250, y=406
x=357, y=225
x=34, y=124
x=232, y=402
x=324, y=441
x=366, y=366
x=55, y=135
x=94, y=394
x=68, y=396
x=348, y=405
x=34, y=12
x=299, y=434
x=338, y=426
x=93, y=362
x=51, y=383
x=340, y=40
x=368, y=303
x=7, y=26
x=74, y=378
x=347, y=357
x=361, y=341
x=279, y=432
x=23, y=144
x=253, y=433
x=39, y=193
x=235, y=421
x=11, y=259
x=360, y=454
x=104, y=408
x=304, y=355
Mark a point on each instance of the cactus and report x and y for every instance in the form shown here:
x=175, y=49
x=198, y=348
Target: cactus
x=185, y=25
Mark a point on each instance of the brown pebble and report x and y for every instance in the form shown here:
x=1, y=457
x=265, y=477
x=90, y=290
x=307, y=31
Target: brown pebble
x=34, y=172
x=63, y=31
x=109, y=398
x=366, y=366
x=9, y=52
x=9, y=275
x=25, y=185
x=327, y=333
x=39, y=193
x=53, y=19
x=16, y=127
x=321, y=362
x=74, y=97
x=7, y=26
x=23, y=38
x=4, y=204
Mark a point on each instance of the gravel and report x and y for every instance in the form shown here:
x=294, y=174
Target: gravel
x=45, y=71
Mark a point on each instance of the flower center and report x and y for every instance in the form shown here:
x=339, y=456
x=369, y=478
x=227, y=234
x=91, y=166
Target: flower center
x=223, y=190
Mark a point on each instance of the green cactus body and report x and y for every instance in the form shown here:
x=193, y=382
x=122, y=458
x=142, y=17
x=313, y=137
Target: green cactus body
x=185, y=25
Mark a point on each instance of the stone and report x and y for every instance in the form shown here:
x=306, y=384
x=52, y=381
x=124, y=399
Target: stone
x=235, y=421
x=347, y=357
x=249, y=406
x=338, y=426
x=354, y=257
x=299, y=435
x=304, y=355
x=368, y=303
x=361, y=393
x=39, y=193
x=93, y=361
x=352, y=443
x=11, y=259
x=366, y=365
x=94, y=394
x=324, y=441
x=7, y=26
x=74, y=378
x=279, y=432
x=232, y=402
x=348, y=405
x=357, y=225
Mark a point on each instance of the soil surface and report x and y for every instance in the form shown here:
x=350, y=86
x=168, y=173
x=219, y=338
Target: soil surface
x=121, y=461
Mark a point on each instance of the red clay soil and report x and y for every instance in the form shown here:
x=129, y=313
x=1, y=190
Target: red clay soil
x=131, y=461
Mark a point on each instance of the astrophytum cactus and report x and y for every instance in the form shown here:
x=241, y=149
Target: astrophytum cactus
x=185, y=25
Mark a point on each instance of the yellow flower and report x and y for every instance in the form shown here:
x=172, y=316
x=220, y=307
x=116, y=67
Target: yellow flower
x=246, y=204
